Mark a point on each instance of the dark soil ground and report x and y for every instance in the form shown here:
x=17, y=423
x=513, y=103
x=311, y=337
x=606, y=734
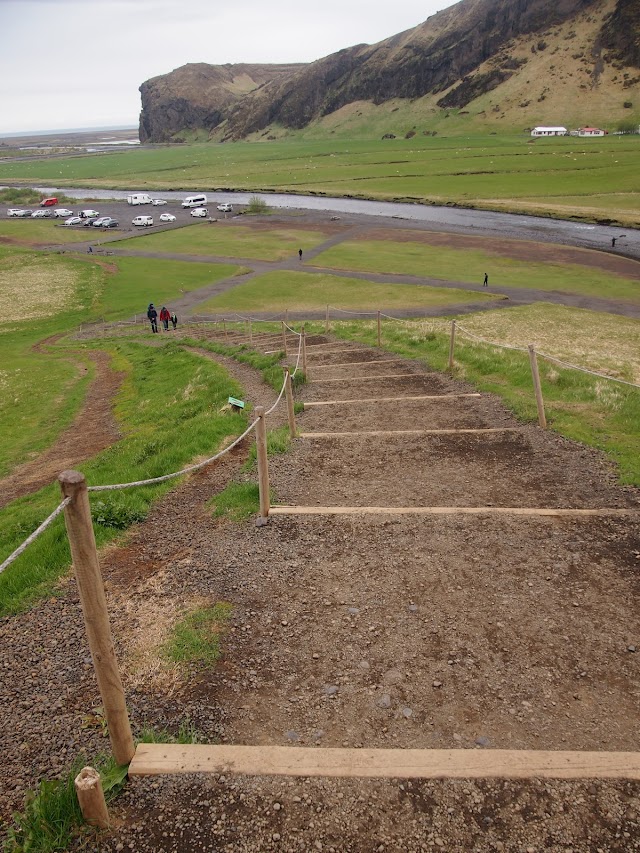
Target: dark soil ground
x=467, y=632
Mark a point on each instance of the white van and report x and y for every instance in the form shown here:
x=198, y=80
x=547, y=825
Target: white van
x=142, y=220
x=194, y=201
x=139, y=198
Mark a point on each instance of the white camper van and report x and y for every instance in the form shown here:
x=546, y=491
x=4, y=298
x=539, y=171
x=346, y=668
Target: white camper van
x=195, y=201
x=139, y=198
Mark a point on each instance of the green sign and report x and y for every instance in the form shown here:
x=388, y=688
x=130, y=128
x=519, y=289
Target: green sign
x=234, y=402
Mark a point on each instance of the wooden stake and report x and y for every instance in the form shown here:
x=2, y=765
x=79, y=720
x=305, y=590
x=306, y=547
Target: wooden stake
x=542, y=420
x=77, y=516
x=91, y=798
x=379, y=331
x=289, y=395
x=263, y=464
x=286, y=316
x=326, y=321
x=452, y=343
x=284, y=339
x=304, y=352
x=250, y=333
x=224, y=326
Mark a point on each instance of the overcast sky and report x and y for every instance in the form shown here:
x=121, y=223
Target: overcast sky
x=79, y=63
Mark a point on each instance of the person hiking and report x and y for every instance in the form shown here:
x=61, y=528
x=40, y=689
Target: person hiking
x=613, y=242
x=174, y=319
x=300, y=253
x=485, y=283
x=165, y=317
x=152, y=314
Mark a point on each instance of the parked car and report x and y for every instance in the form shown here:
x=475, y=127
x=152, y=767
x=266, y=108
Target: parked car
x=73, y=220
x=158, y=201
x=167, y=217
x=89, y=222
x=199, y=211
x=49, y=202
x=14, y=211
x=142, y=220
x=99, y=222
x=41, y=214
x=225, y=208
x=88, y=214
x=62, y=211
x=110, y=223
x=24, y=213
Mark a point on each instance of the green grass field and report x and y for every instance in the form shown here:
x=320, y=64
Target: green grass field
x=302, y=291
x=469, y=266
x=563, y=176
x=43, y=232
x=231, y=241
x=48, y=295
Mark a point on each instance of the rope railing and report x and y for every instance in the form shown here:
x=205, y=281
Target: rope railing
x=32, y=538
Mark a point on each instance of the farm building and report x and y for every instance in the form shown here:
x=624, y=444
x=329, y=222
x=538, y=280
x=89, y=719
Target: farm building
x=591, y=131
x=549, y=131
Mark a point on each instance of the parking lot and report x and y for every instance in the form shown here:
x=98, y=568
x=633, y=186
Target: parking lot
x=124, y=213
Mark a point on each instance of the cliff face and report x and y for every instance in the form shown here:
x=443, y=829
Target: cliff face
x=198, y=96
x=463, y=52
x=430, y=58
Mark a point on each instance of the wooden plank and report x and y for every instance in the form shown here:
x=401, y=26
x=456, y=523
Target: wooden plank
x=448, y=510
x=408, y=432
x=370, y=378
x=157, y=758
x=358, y=363
x=389, y=399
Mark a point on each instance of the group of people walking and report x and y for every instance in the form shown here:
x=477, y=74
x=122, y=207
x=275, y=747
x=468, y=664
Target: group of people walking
x=165, y=317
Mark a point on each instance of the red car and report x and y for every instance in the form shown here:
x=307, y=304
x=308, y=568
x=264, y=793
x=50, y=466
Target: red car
x=48, y=202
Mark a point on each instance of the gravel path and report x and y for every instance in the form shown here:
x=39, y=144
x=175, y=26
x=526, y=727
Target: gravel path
x=455, y=632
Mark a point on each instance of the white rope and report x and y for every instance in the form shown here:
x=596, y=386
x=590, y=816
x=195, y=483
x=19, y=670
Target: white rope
x=177, y=473
x=298, y=358
x=344, y=311
x=585, y=370
x=485, y=341
x=275, y=405
x=34, y=535
x=292, y=330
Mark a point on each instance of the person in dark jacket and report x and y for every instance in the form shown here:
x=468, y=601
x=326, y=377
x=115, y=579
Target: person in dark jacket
x=152, y=314
x=165, y=317
x=174, y=320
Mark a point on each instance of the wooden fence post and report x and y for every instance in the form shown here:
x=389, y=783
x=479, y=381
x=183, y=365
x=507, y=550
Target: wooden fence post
x=289, y=394
x=284, y=339
x=379, y=331
x=77, y=516
x=250, y=334
x=304, y=352
x=452, y=343
x=542, y=420
x=91, y=798
x=263, y=464
x=326, y=321
x=224, y=326
x=286, y=316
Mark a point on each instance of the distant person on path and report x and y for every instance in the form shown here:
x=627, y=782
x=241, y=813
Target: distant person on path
x=613, y=242
x=174, y=320
x=485, y=283
x=300, y=253
x=165, y=317
x=152, y=314
x=90, y=250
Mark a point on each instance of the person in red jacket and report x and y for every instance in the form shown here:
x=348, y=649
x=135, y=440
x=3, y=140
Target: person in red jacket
x=165, y=316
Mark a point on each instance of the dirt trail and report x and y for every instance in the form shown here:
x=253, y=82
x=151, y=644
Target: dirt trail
x=452, y=632
x=464, y=632
x=93, y=429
